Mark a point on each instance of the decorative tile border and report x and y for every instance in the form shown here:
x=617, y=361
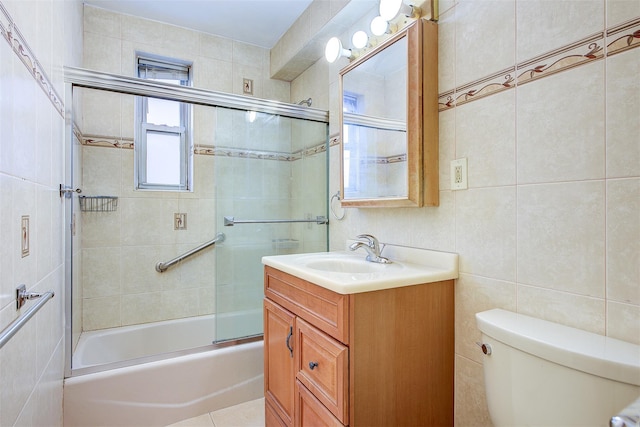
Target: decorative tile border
x=105, y=141
x=206, y=150
x=20, y=46
x=595, y=47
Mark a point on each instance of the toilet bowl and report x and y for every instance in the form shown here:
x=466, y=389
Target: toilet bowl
x=539, y=373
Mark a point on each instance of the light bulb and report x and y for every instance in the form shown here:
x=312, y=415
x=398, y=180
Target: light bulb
x=379, y=26
x=389, y=9
x=359, y=39
x=334, y=50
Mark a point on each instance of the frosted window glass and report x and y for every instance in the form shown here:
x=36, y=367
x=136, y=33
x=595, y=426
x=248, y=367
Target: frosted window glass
x=163, y=158
x=163, y=112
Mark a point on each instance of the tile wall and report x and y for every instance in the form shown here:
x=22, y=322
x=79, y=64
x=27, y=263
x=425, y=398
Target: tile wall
x=542, y=99
x=38, y=38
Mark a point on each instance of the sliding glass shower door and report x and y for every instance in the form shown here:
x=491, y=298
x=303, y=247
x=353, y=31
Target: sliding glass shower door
x=270, y=174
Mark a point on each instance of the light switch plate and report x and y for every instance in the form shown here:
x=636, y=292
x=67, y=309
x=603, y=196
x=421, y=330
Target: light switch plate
x=459, y=174
x=24, y=232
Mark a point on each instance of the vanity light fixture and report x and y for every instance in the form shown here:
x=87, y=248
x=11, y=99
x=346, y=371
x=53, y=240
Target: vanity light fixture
x=359, y=39
x=334, y=50
x=389, y=9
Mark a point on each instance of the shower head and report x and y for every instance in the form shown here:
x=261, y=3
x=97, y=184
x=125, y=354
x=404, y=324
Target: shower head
x=305, y=101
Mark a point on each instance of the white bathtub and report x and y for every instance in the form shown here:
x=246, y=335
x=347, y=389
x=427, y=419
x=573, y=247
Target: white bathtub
x=131, y=342
x=160, y=392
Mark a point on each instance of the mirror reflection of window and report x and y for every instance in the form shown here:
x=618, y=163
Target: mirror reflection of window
x=350, y=141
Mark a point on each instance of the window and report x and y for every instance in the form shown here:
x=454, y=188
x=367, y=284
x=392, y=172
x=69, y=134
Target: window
x=163, y=141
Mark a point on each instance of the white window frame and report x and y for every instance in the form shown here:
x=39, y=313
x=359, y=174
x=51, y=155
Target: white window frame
x=184, y=131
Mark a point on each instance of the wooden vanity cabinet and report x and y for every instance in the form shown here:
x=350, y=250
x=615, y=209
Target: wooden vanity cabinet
x=380, y=358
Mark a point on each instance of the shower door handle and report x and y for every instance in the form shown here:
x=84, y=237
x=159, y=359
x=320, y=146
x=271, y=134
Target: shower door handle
x=288, y=339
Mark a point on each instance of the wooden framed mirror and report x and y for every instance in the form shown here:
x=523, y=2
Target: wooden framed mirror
x=389, y=122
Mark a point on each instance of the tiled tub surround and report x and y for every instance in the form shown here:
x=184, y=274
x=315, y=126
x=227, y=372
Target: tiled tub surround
x=549, y=226
x=121, y=248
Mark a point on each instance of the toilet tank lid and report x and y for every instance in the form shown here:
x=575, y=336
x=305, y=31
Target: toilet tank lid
x=585, y=351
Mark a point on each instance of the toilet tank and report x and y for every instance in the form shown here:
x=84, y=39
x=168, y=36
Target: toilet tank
x=540, y=373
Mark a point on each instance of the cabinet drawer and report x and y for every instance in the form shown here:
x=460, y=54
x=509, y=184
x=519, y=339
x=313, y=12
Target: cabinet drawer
x=311, y=413
x=324, y=309
x=322, y=365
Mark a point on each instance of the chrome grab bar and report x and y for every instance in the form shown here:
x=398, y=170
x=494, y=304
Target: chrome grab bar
x=22, y=295
x=230, y=221
x=161, y=267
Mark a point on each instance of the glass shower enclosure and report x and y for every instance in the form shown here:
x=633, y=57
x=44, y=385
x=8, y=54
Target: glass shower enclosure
x=259, y=181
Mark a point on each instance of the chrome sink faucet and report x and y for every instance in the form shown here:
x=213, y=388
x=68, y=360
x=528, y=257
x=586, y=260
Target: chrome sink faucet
x=372, y=246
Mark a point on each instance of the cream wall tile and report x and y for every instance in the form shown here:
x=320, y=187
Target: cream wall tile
x=437, y=225
x=138, y=274
x=623, y=322
x=556, y=24
x=446, y=50
x=101, y=113
x=101, y=313
x=101, y=171
x=470, y=408
x=246, y=54
x=485, y=135
x=486, y=232
x=216, y=47
x=101, y=21
x=623, y=240
x=556, y=140
x=568, y=309
x=141, y=308
x=623, y=124
x=26, y=94
x=101, y=269
x=213, y=74
x=474, y=294
x=15, y=355
x=485, y=38
x=561, y=237
x=24, y=203
x=8, y=248
x=99, y=228
x=447, y=147
x=42, y=229
x=168, y=40
x=619, y=11
x=107, y=57
x=44, y=142
x=147, y=221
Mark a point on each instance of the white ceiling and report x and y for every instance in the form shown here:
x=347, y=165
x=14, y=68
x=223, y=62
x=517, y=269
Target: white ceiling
x=258, y=22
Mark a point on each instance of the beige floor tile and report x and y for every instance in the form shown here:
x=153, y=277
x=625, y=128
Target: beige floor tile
x=249, y=414
x=201, y=421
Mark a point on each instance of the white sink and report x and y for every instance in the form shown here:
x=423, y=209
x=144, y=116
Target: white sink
x=338, y=263
x=348, y=272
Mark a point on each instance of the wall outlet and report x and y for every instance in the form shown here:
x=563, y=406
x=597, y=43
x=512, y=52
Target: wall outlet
x=459, y=174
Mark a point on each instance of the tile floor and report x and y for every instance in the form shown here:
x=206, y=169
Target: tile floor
x=248, y=414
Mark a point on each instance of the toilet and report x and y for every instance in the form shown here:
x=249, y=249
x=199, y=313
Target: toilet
x=539, y=373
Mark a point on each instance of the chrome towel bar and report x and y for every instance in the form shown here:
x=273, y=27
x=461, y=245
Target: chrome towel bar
x=230, y=221
x=161, y=267
x=22, y=295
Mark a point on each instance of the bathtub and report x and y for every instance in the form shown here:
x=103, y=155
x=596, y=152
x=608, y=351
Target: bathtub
x=159, y=392
x=136, y=341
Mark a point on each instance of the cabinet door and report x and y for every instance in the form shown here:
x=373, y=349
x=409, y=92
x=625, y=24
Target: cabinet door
x=310, y=412
x=279, y=366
